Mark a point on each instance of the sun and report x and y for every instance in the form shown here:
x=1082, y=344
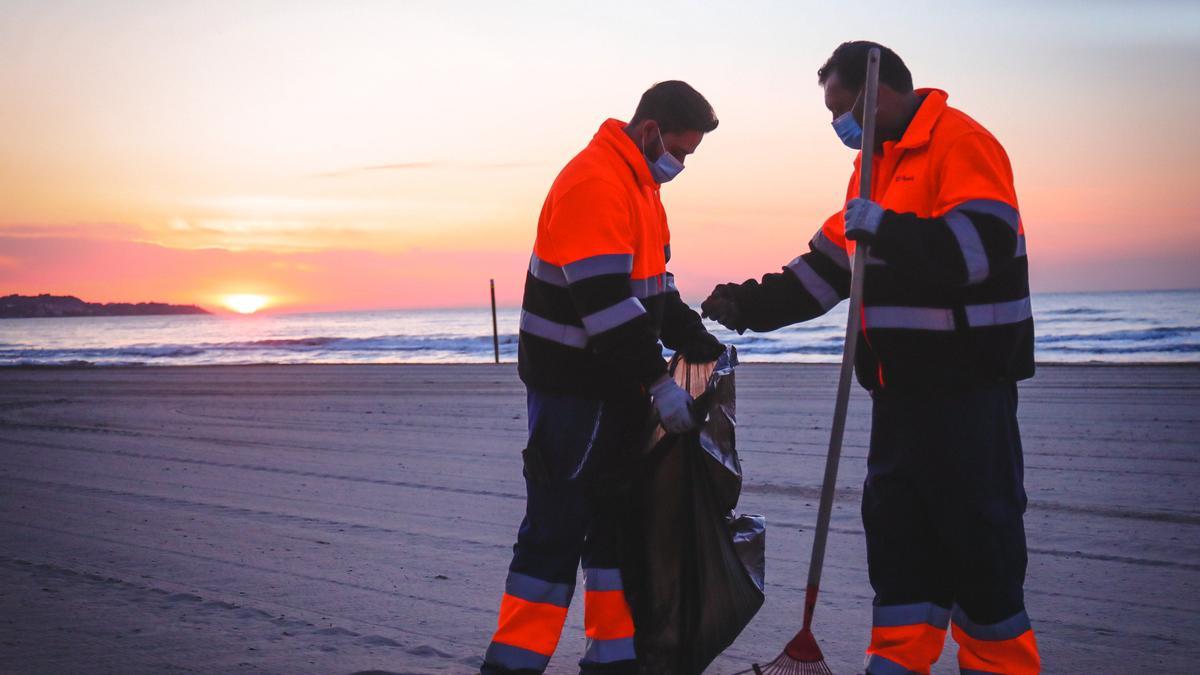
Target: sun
x=245, y=303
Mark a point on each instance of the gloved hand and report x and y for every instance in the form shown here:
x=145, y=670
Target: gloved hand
x=862, y=218
x=722, y=308
x=703, y=347
x=673, y=405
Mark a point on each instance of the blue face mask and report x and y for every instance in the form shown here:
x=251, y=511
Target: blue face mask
x=849, y=130
x=666, y=167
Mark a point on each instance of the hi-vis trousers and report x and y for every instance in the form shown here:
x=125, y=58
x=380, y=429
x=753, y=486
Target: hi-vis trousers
x=575, y=447
x=943, y=504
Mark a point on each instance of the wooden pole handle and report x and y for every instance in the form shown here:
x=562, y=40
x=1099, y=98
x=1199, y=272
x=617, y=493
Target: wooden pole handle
x=853, y=325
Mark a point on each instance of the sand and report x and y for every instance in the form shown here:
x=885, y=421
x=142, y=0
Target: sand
x=339, y=519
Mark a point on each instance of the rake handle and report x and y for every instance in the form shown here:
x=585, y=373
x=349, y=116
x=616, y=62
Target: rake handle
x=853, y=325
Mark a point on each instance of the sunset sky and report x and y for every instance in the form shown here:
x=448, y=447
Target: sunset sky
x=347, y=155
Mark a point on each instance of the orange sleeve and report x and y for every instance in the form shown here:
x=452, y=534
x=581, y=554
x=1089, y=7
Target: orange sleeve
x=666, y=229
x=589, y=219
x=975, y=166
x=834, y=227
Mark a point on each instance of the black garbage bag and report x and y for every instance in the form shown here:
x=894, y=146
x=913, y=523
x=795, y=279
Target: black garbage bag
x=693, y=568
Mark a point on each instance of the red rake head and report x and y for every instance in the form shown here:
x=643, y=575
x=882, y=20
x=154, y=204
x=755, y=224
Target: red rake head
x=803, y=648
x=801, y=656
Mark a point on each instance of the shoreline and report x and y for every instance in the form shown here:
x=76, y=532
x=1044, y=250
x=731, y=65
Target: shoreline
x=426, y=364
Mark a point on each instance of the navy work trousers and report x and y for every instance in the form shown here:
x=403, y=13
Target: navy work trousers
x=576, y=457
x=943, y=506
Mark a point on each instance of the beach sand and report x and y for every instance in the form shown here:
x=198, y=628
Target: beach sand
x=337, y=519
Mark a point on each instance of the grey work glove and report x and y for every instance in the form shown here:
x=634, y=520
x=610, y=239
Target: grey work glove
x=673, y=405
x=862, y=218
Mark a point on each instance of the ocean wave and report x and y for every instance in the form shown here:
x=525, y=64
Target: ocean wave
x=1186, y=348
x=1040, y=319
x=1074, y=311
x=1155, y=334
x=84, y=353
x=212, y=351
x=280, y=342
x=760, y=345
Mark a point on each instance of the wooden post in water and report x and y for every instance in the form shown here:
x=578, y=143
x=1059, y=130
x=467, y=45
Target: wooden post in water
x=495, y=330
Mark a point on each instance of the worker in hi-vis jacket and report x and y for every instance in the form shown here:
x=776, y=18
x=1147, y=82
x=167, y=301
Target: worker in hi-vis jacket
x=947, y=331
x=598, y=306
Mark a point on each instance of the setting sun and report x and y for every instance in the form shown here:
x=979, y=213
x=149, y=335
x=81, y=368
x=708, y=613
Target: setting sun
x=245, y=303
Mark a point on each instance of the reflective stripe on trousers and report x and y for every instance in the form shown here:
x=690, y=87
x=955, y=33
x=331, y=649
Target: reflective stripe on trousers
x=909, y=639
x=906, y=638
x=1007, y=646
x=607, y=621
x=532, y=614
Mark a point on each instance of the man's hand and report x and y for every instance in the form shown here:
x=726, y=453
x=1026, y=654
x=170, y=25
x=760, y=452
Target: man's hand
x=862, y=218
x=673, y=405
x=702, y=348
x=722, y=308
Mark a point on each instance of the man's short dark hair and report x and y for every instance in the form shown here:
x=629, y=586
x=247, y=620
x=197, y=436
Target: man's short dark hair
x=676, y=106
x=849, y=61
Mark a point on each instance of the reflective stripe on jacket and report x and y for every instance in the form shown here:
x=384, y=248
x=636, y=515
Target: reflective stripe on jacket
x=946, y=295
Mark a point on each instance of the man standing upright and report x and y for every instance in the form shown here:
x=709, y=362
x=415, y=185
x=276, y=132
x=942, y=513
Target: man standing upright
x=947, y=333
x=598, y=300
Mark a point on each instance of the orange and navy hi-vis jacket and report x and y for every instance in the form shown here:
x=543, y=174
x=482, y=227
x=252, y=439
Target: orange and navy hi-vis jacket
x=946, y=292
x=598, y=297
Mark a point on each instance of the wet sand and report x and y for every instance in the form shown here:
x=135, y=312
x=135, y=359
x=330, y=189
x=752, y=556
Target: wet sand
x=338, y=519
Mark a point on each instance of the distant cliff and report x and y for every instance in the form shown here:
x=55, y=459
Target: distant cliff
x=27, y=306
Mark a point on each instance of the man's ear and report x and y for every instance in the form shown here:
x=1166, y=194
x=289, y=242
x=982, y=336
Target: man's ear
x=646, y=130
x=646, y=133
x=886, y=96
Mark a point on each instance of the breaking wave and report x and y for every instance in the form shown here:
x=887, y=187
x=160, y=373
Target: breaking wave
x=1151, y=337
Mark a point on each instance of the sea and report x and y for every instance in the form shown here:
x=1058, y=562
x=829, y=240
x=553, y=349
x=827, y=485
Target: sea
x=1110, y=327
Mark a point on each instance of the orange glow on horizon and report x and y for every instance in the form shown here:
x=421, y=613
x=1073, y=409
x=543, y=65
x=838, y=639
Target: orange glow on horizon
x=245, y=303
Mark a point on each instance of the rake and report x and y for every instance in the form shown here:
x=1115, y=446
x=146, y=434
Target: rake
x=802, y=656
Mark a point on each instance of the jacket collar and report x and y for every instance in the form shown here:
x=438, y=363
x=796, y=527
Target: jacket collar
x=612, y=137
x=921, y=126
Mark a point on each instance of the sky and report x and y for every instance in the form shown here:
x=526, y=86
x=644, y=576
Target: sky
x=354, y=155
